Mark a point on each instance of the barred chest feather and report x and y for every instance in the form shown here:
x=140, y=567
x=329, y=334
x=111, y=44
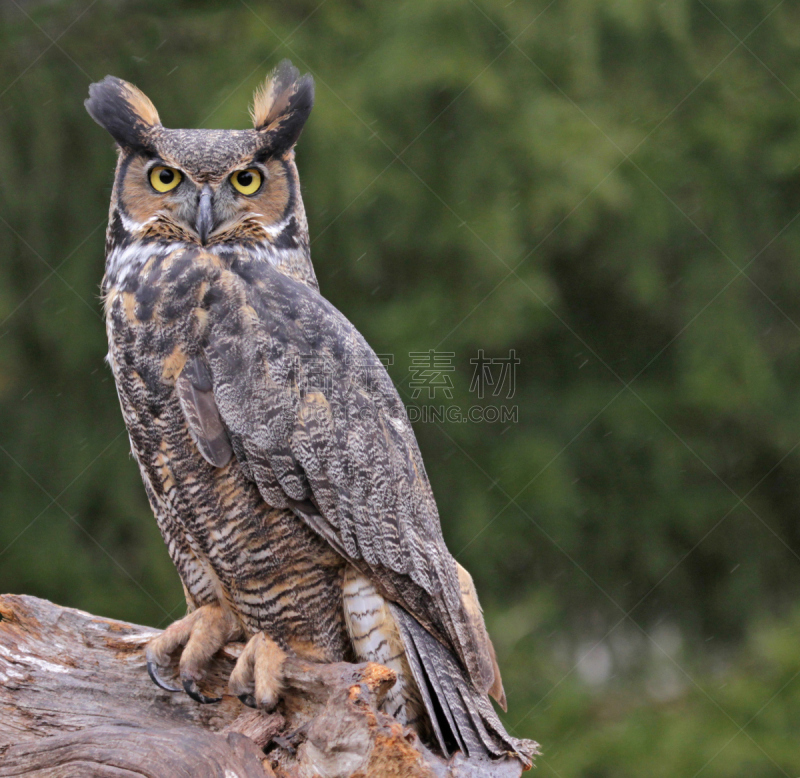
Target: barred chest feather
x=228, y=544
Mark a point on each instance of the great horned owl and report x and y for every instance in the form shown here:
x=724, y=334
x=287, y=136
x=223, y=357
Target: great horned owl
x=292, y=498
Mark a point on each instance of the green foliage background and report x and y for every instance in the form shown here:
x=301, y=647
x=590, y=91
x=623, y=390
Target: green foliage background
x=609, y=187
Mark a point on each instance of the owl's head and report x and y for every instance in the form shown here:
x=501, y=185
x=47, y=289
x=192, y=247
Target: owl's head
x=222, y=189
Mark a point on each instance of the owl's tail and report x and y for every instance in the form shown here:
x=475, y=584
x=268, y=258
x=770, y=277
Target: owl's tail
x=462, y=718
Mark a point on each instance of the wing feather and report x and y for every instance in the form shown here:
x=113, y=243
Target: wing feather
x=323, y=431
x=202, y=415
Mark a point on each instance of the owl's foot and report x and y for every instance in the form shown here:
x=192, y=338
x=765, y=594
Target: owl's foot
x=200, y=634
x=257, y=677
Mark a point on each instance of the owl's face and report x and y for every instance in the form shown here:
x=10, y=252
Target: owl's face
x=219, y=189
x=206, y=186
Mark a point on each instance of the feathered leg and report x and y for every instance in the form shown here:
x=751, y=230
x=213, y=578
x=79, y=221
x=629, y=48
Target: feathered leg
x=375, y=638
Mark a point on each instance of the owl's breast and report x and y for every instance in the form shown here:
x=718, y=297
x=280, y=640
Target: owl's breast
x=227, y=543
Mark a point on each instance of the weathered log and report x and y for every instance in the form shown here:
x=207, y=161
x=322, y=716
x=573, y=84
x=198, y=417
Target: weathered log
x=135, y=751
x=76, y=700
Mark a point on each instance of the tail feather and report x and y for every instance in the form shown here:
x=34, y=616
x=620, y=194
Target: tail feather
x=420, y=678
x=447, y=716
x=475, y=716
x=461, y=717
x=443, y=703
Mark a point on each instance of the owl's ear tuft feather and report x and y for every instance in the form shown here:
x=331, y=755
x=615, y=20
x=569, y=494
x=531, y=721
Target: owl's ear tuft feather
x=125, y=111
x=281, y=107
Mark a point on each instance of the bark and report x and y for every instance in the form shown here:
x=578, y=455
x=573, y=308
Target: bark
x=76, y=700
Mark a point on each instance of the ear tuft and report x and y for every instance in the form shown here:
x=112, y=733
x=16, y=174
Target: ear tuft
x=125, y=111
x=282, y=105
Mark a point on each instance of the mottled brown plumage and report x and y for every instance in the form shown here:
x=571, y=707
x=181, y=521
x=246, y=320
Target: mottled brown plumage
x=276, y=453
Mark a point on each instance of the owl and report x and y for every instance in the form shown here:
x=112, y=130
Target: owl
x=275, y=451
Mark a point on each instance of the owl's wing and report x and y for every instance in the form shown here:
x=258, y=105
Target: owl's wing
x=314, y=419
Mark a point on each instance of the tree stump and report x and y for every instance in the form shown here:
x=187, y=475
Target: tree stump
x=76, y=700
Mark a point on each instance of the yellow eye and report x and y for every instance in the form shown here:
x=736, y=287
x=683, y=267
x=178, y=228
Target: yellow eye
x=246, y=181
x=164, y=179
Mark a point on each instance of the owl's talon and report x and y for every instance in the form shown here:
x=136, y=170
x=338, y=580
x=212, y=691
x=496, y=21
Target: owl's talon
x=198, y=637
x=152, y=671
x=190, y=687
x=258, y=673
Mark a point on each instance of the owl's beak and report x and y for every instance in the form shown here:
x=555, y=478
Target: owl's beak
x=205, y=214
